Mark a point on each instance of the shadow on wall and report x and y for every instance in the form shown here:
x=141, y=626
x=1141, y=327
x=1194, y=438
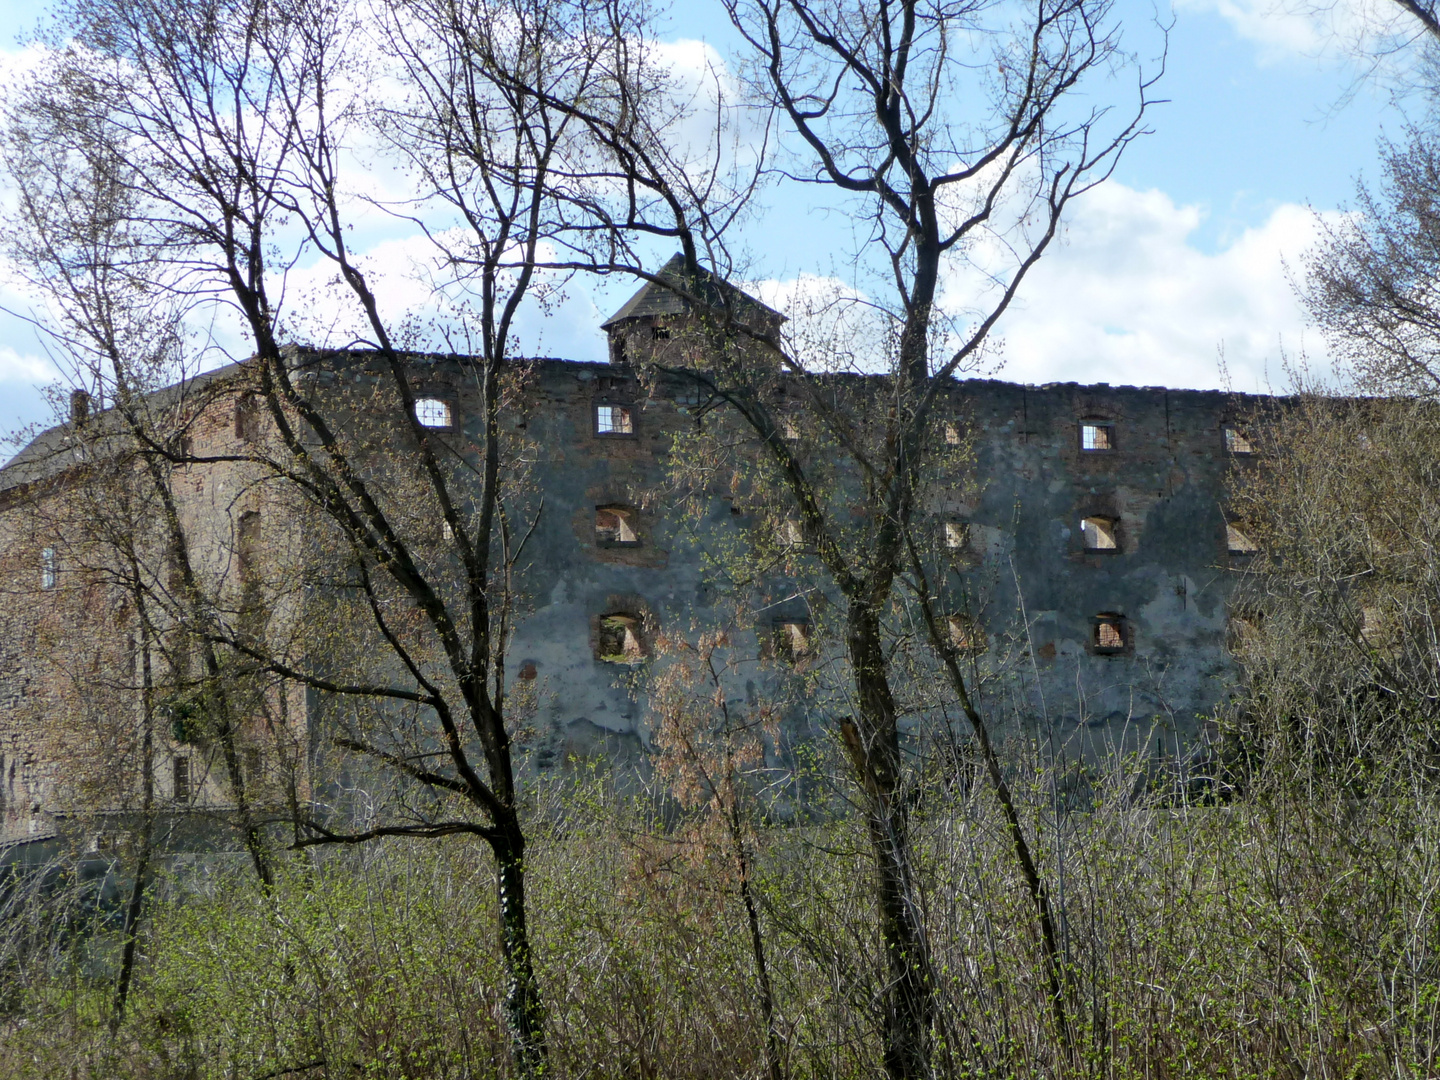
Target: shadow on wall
x=581, y=743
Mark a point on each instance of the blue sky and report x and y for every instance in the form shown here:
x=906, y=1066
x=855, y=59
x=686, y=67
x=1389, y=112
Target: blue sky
x=1181, y=258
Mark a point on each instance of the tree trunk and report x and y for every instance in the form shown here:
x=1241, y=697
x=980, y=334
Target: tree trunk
x=147, y=820
x=132, y=926
x=874, y=748
x=523, y=1009
x=773, y=1065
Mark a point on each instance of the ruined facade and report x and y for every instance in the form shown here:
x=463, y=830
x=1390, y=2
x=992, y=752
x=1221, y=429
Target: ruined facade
x=1089, y=525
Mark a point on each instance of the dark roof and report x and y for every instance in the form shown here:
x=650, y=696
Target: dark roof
x=655, y=299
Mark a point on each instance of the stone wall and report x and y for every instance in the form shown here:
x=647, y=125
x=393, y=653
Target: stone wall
x=1035, y=589
x=1096, y=647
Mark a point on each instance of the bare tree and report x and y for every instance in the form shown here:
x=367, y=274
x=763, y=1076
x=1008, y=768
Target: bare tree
x=954, y=133
x=1337, y=634
x=216, y=143
x=1370, y=283
x=709, y=751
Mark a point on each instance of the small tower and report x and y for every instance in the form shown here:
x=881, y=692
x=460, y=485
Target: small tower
x=658, y=326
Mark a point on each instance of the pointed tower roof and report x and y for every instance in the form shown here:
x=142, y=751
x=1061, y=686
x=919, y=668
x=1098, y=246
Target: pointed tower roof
x=654, y=299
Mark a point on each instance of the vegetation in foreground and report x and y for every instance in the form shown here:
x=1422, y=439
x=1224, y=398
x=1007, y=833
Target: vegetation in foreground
x=1290, y=933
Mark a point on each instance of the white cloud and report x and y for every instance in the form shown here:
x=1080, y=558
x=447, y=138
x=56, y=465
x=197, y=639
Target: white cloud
x=419, y=302
x=22, y=401
x=1122, y=296
x=1339, y=29
x=21, y=367
x=1126, y=298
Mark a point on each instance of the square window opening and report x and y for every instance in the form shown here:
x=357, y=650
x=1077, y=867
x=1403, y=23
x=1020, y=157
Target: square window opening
x=957, y=535
x=790, y=534
x=1236, y=442
x=952, y=434
x=1099, y=534
x=432, y=412
x=614, y=420
x=1095, y=435
x=1109, y=633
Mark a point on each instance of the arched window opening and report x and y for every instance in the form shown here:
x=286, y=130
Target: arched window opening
x=792, y=640
x=432, y=412
x=1237, y=542
x=621, y=639
x=615, y=525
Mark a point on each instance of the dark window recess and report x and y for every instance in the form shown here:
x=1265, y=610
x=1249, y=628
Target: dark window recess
x=659, y=332
x=1109, y=633
x=1099, y=534
x=180, y=779
x=254, y=765
x=187, y=718
x=615, y=525
x=614, y=420
x=1097, y=435
x=620, y=640
x=247, y=546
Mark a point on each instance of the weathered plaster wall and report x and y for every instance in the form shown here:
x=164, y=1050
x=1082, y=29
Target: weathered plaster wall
x=1164, y=481
x=1026, y=574
x=1025, y=486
